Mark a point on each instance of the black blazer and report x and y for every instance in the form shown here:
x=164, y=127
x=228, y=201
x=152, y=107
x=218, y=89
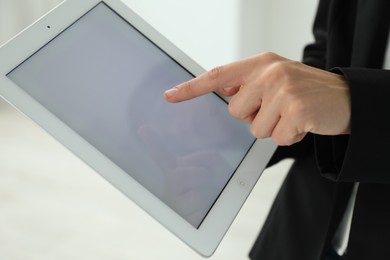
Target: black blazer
x=350, y=39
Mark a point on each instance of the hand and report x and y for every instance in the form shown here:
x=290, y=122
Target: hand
x=280, y=98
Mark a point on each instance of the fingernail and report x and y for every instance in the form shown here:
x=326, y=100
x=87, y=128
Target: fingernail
x=171, y=92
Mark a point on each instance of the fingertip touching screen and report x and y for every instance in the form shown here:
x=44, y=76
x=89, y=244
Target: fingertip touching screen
x=105, y=80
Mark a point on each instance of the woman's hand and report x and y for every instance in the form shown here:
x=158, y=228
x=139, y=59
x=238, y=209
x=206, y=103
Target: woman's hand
x=278, y=97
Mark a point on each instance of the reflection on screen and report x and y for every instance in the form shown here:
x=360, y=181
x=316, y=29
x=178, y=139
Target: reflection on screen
x=105, y=80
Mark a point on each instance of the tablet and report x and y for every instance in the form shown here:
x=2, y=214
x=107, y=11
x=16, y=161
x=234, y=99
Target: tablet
x=92, y=74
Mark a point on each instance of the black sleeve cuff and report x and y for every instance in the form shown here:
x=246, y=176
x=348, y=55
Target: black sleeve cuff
x=362, y=156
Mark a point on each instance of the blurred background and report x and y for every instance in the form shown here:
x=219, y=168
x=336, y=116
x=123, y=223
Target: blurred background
x=53, y=206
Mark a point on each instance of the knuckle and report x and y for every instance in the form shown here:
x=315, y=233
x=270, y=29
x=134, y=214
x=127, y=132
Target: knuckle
x=238, y=110
x=280, y=139
x=258, y=132
x=233, y=111
x=231, y=91
x=276, y=72
x=186, y=87
x=269, y=56
x=281, y=136
x=281, y=70
x=215, y=73
x=277, y=140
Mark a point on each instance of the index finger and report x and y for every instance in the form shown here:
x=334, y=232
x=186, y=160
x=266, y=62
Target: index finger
x=221, y=77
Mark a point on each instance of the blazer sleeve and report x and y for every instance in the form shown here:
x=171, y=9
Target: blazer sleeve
x=361, y=156
x=314, y=54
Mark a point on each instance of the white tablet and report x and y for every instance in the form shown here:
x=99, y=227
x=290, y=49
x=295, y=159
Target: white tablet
x=92, y=74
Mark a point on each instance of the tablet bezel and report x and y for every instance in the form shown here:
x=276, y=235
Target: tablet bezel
x=204, y=239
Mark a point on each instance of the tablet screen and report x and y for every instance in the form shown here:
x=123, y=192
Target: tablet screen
x=106, y=80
